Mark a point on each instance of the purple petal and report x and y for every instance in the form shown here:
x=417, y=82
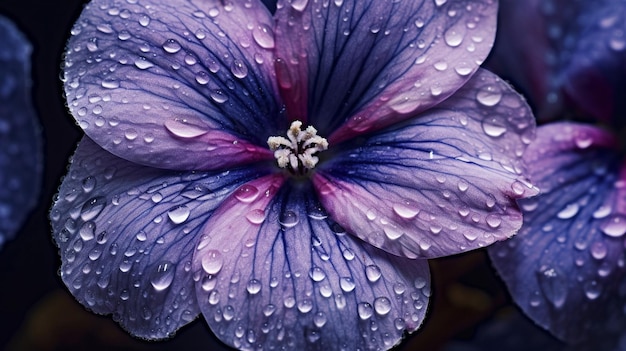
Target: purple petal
x=363, y=65
x=441, y=183
x=277, y=273
x=595, y=75
x=126, y=235
x=564, y=55
x=175, y=84
x=20, y=137
x=565, y=268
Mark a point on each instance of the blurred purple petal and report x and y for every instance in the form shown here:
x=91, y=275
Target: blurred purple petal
x=176, y=84
x=277, y=271
x=441, y=183
x=20, y=137
x=126, y=235
x=566, y=267
x=564, y=55
x=363, y=65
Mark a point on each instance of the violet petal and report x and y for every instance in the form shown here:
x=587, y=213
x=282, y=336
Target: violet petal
x=565, y=268
x=126, y=235
x=362, y=65
x=278, y=272
x=175, y=84
x=441, y=183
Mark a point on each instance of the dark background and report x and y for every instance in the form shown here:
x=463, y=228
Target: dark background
x=37, y=312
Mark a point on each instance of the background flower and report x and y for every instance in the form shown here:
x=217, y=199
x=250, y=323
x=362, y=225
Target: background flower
x=20, y=138
x=198, y=88
x=565, y=268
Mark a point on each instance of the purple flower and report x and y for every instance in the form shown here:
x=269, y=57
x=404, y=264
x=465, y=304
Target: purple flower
x=20, y=139
x=286, y=176
x=566, y=267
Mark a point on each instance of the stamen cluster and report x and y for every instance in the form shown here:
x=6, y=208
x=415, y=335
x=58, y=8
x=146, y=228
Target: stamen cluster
x=297, y=151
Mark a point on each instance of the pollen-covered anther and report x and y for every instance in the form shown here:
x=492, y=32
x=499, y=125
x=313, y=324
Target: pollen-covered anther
x=297, y=151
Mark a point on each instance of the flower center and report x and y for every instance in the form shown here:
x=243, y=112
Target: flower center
x=297, y=151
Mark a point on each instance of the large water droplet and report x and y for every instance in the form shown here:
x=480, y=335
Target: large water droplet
x=92, y=208
x=239, y=69
x=553, y=286
x=86, y=231
x=254, y=286
x=183, y=129
x=171, y=46
x=614, y=226
x=365, y=310
x=212, y=261
x=263, y=36
x=162, y=276
x=489, y=96
x=178, y=214
x=247, y=193
x=256, y=216
x=493, y=127
x=373, y=273
x=347, y=284
x=382, y=305
x=317, y=274
x=406, y=209
x=568, y=211
x=288, y=219
x=454, y=37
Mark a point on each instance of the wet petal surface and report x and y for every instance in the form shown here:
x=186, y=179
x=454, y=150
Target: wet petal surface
x=565, y=268
x=20, y=138
x=363, y=65
x=276, y=272
x=174, y=84
x=441, y=183
x=126, y=236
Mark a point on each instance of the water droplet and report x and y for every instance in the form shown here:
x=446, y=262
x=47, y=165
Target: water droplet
x=382, y=305
x=264, y=36
x=92, y=208
x=253, y=287
x=212, y=262
x=493, y=127
x=347, y=284
x=614, y=226
x=454, y=37
x=219, y=96
x=183, y=129
x=406, y=209
x=440, y=2
x=178, y=214
x=144, y=20
x=317, y=274
x=365, y=310
x=598, y=250
x=269, y=310
x=493, y=220
x=239, y=69
x=373, y=273
x=86, y=231
x=552, y=285
x=592, y=289
x=110, y=83
x=489, y=96
x=162, y=276
x=568, y=211
x=247, y=193
x=89, y=183
x=142, y=63
x=288, y=219
x=171, y=46
x=256, y=216
x=299, y=5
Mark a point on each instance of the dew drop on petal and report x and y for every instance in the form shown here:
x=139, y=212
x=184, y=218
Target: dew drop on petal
x=493, y=220
x=365, y=310
x=288, y=219
x=247, y=193
x=256, y=216
x=92, y=208
x=405, y=209
x=254, y=286
x=373, y=273
x=614, y=226
x=489, y=96
x=183, y=129
x=552, y=285
x=382, y=305
x=162, y=276
x=178, y=214
x=493, y=127
x=171, y=46
x=347, y=284
x=317, y=274
x=86, y=231
x=239, y=69
x=453, y=37
x=568, y=211
x=212, y=261
x=263, y=36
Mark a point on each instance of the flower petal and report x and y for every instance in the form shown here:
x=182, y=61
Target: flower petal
x=564, y=55
x=126, y=235
x=288, y=277
x=175, y=84
x=565, y=268
x=441, y=183
x=20, y=137
x=363, y=65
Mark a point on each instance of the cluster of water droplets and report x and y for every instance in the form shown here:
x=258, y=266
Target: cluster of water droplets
x=106, y=61
x=255, y=297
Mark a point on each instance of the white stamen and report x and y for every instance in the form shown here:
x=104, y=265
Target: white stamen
x=298, y=149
